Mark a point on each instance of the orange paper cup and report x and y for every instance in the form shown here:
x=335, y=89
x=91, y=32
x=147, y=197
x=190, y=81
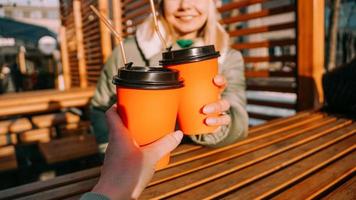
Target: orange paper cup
x=148, y=105
x=198, y=67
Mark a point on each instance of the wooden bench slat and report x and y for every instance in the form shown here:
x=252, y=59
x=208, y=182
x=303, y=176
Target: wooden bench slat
x=20, y=125
x=4, y=126
x=45, y=96
x=178, y=160
x=8, y=139
x=49, y=120
x=287, y=58
x=261, y=116
x=135, y=5
x=7, y=158
x=68, y=148
x=267, y=73
x=346, y=191
x=136, y=14
x=239, y=4
x=43, y=106
x=261, y=147
x=259, y=14
x=262, y=29
x=321, y=180
x=36, y=135
x=219, y=180
x=271, y=104
x=272, y=84
x=266, y=43
x=291, y=175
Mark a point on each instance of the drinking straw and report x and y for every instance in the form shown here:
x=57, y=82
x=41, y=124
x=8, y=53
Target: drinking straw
x=153, y=10
x=111, y=28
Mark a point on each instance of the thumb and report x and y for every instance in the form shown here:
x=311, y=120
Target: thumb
x=163, y=146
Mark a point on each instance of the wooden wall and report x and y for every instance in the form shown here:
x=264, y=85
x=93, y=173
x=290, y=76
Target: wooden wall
x=281, y=42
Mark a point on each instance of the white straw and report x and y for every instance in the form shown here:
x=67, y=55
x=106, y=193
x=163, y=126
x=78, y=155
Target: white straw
x=111, y=28
x=153, y=10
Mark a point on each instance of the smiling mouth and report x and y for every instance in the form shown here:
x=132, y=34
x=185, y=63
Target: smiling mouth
x=186, y=18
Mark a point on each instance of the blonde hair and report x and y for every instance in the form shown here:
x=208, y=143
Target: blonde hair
x=212, y=32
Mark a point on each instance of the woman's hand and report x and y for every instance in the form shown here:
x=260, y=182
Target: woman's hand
x=128, y=168
x=218, y=107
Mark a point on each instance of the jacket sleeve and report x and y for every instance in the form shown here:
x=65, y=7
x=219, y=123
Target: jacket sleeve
x=104, y=97
x=233, y=70
x=93, y=196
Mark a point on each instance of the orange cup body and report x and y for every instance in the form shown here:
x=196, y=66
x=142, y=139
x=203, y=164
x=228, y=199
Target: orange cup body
x=148, y=114
x=198, y=91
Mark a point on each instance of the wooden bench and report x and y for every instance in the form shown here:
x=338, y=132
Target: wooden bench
x=68, y=148
x=310, y=155
x=36, y=135
x=7, y=158
x=49, y=120
x=43, y=101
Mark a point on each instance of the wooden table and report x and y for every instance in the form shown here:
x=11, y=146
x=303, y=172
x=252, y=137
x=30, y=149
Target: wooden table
x=307, y=156
x=43, y=100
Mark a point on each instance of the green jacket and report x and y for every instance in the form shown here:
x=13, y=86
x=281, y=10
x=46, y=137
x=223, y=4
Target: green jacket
x=230, y=65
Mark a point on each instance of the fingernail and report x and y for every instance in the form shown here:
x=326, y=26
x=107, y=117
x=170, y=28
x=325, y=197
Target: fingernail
x=211, y=121
x=178, y=135
x=218, y=79
x=208, y=109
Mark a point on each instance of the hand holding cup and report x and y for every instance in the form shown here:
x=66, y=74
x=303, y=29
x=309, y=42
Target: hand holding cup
x=218, y=107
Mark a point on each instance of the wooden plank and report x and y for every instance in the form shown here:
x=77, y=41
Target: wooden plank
x=4, y=126
x=310, y=53
x=272, y=84
x=44, y=106
x=259, y=14
x=34, y=97
x=7, y=158
x=68, y=148
x=136, y=5
x=221, y=179
x=238, y=4
x=262, y=29
x=185, y=158
x=266, y=43
x=49, y=120
x=270, y=104
x=286, y=120
x=36, y=135
x=321, y=180
x=283, y=179
x=65, y=57
x=261, y=147
x=103, y=6
x=117, y=13
x=136, y=14
x=8, y=139
x=345, y=192
x=20, y=125
x=261, y=116
x=254, y=59
x=79, y=41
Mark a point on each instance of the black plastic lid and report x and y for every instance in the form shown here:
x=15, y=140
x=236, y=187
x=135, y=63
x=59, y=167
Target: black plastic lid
x=193, y=54
x=150, y=78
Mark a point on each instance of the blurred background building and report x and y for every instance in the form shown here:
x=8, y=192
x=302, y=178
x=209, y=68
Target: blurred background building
x=28, y=45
